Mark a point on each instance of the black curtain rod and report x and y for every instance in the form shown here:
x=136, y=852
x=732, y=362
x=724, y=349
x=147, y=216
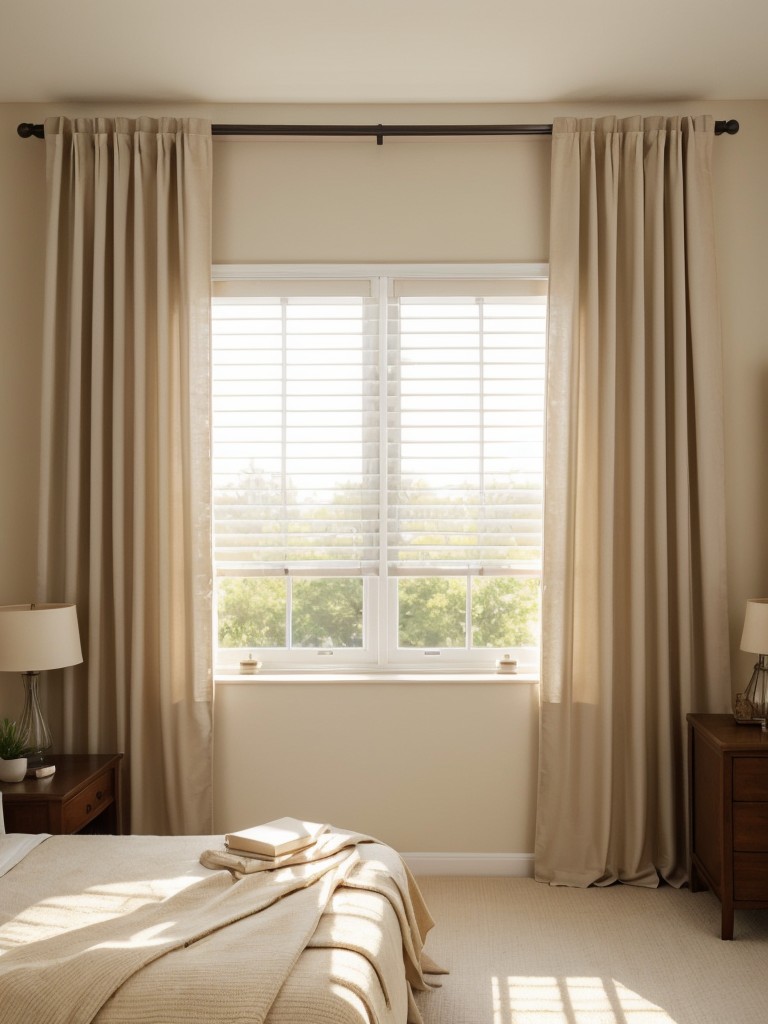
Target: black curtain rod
x=380, y=131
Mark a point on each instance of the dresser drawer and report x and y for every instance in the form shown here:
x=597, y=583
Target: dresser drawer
x=92, y=800
x=750, y=827
x=750, y=876
x=750, y=778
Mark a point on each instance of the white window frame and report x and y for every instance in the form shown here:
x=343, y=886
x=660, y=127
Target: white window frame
x=380, y=652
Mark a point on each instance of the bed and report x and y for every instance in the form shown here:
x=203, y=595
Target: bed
x=166, y=929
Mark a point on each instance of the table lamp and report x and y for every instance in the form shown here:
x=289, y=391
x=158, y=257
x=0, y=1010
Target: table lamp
x=755, y=640
x=34, y=638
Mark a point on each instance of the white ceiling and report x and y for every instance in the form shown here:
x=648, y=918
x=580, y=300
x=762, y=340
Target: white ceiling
x=390, y=51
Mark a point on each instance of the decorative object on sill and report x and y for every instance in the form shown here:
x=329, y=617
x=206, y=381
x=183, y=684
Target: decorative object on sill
x=506, y=664
x=249, y=666
x=752, y=706
x=13, y=752
x=34, y=638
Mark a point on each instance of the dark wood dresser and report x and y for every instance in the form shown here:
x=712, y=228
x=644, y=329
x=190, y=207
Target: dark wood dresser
x=84, y=793
x=728, y=798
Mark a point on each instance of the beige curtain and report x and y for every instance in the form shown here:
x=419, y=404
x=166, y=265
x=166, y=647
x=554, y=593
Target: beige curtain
x=125, y=506
x=634, y=595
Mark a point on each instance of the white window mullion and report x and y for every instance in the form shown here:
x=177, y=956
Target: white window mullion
x=283, y=439
x=288, y=611
x=481, y=402
x=481, y=428
x=383, y=627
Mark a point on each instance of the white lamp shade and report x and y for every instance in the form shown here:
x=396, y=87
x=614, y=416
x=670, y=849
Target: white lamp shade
x=38, y=637
x=755, y=635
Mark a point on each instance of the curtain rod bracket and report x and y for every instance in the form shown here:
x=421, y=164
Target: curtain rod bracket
x=380, y=138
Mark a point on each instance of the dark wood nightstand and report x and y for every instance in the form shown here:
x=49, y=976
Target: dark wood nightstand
x=728, y=794
x=84, y=791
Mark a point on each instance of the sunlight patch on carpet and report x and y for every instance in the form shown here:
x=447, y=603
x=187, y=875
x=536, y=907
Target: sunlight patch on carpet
x=551, y=1000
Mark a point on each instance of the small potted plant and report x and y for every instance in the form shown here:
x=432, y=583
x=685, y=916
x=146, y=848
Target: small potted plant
x=13, y=750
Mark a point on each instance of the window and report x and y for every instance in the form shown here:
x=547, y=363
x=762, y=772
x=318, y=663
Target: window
x=378, y=465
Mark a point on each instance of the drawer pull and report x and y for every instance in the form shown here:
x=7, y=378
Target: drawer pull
x=100, y=795
x=88, y=808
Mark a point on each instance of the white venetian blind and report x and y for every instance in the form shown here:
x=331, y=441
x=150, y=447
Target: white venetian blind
x=295, y=428
x=465, y=427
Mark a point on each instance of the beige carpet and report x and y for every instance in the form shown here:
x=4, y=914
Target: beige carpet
x=520, y=952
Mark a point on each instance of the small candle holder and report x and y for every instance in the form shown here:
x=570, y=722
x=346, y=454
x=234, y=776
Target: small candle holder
x=506, y=664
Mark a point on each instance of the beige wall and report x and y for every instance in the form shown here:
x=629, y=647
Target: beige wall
x=424, y=766
x=453, y=765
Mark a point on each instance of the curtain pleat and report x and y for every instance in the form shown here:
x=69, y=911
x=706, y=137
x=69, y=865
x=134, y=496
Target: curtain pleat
x=634, y=608
x=125, y=490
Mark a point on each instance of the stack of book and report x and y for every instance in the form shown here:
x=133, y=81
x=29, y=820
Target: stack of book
x=274, y=838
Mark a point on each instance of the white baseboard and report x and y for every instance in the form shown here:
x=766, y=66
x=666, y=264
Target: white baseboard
x=518, y=865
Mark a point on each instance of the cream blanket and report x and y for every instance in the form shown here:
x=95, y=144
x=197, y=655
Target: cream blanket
x=208, y=945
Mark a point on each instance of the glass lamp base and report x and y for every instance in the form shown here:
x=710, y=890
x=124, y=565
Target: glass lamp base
x=32, y=724
x=753, y=705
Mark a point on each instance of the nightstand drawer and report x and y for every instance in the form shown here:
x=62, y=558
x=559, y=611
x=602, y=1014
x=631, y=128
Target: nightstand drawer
x=750, y=876
x=750, y=778
x=90, y=802
x=750, y=826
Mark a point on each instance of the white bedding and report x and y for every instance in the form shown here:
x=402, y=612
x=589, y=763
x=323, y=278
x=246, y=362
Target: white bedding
x=15, y=847
x=135, y=929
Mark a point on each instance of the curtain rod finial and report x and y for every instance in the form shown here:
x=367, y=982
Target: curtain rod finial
x=26, y=131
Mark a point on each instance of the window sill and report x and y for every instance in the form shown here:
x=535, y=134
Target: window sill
x=380, y=678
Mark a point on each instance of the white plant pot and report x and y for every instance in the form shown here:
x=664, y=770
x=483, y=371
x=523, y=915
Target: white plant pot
x=13, y=770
